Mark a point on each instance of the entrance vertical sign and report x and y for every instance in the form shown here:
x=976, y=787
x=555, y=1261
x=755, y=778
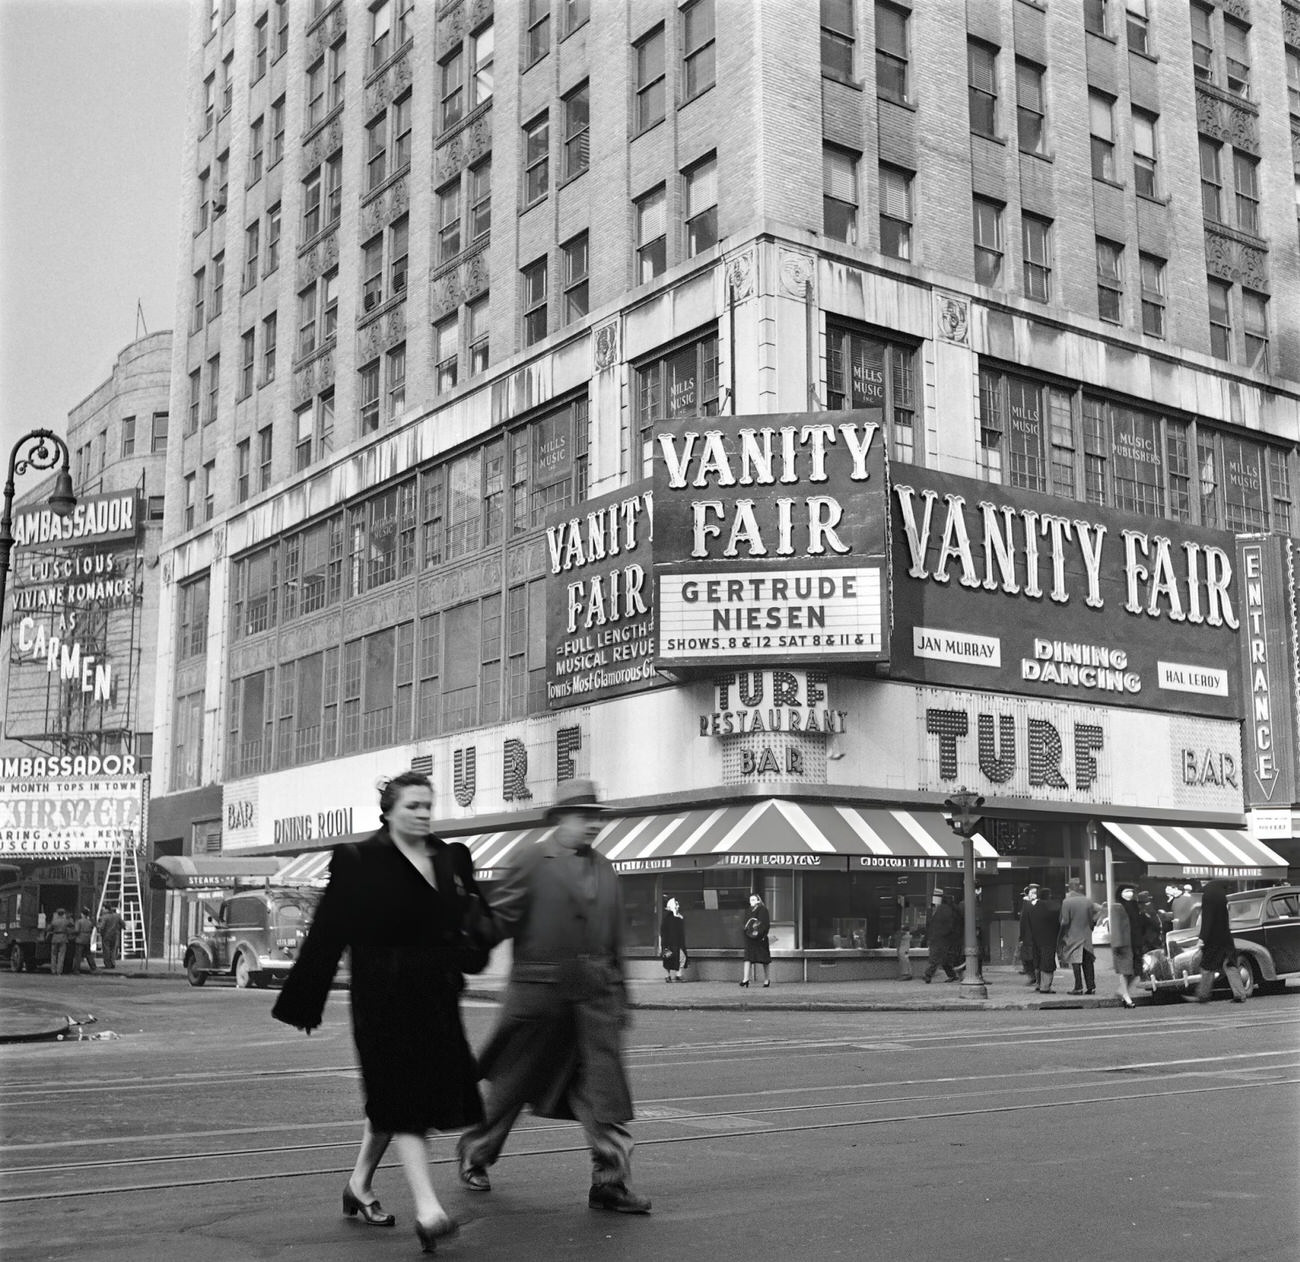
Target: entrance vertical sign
x=1265, y=566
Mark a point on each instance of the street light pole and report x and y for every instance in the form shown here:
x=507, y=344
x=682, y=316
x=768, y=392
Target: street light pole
x=963, y=819
x=44, y=448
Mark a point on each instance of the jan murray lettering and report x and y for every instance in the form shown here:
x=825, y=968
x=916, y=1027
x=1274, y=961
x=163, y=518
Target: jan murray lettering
x=1000, y=588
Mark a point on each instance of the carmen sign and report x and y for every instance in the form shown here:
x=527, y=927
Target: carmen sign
x=1011, y=591
x=54, y=818
x=770, y=540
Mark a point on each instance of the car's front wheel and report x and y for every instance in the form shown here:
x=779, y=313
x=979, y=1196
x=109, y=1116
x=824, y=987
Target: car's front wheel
x=1246, y=970
x=193, y=973
x=245, y=974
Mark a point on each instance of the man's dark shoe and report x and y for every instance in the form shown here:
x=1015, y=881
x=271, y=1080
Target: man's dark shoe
x=473, y=1177
x=618, y=1198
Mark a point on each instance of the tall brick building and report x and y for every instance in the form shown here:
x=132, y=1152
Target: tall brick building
x=447, y=266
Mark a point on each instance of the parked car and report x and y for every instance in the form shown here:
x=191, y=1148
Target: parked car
x=254, y=939
x=1265, y=928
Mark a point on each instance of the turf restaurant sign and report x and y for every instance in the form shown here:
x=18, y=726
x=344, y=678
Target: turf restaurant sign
x=599, y=607
x=770, y=540
x=42, y=818
x=1012, y=591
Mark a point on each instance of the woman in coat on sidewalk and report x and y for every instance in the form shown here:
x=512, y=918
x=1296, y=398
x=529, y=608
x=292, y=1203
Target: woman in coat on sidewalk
x=1217, y=955
x=758, y=949
x=397, y=900
x=1125, y=937
x=672, y=941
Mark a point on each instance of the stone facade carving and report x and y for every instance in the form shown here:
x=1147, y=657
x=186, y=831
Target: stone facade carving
x=392, y=81
x=742, y=275
x=318, y=260
x=1230, y=258
x=605, y=346
x=952, y=318
x=1227, y=118
x=1291, y=25
x=454, y=587
x=218, y=543
x=796, y=271
x=1238, y=8
x=190, y=678
x=167, y=572
x=327, y=141
x=311, y=378
x=464, y=147
x=390, y=204
x=327, y=34
x=527, y=562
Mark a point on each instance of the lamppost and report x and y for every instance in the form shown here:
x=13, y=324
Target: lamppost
x=43, y=449
x=963, y=818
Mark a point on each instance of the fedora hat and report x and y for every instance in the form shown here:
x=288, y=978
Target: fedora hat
x=575, y=795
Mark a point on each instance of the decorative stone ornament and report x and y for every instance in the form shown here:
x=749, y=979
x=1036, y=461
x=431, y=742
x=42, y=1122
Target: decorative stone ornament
x=952, y=319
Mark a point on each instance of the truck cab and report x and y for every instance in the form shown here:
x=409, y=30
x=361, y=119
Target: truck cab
x=254, y=936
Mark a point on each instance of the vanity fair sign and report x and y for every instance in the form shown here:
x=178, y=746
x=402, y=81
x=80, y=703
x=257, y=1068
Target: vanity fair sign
x=770, y=543
x=1001, y=589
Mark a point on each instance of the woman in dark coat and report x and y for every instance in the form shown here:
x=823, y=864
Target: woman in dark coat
x=397, y=901
x=758, y=951
x=672, y=941
x=1125, y=940
x=1217, y=945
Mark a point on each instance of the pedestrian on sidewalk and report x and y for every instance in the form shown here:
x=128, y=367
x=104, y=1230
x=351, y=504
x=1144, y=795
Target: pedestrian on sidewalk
x=83, y=930
x=558, y=1043
x=399, y=901
x=904, y=958
x=758, y=947
x=940, y=933
x=110, y=935
x=1045, y=925
x=1217, y=953
x=1183, y=909
x=60, y=928
x=1078, y=915
x=1125, y=934
x=672, y=941
x=1028, y=952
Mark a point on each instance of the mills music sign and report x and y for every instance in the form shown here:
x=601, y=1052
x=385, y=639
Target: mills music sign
x=770, y=540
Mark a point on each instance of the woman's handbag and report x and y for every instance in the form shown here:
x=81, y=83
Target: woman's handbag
x=667, y=954
x=477, y=934
x=751, y=928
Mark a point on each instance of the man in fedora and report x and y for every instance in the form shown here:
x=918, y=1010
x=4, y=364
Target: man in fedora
x=558, y=1044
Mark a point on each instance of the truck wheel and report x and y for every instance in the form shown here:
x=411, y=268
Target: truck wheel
x=16, y=961
x=193, y=973
x=1246, y=971
x=245, y=974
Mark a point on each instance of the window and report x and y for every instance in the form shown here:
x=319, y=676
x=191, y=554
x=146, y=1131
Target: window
x=864, y=372
x=223, y=183
x=318, y=313
x=573, y=14
x=368, y=393
x=446, y=352
x=701, y=205
x=373, y=265
x=1202, y=42
x=398, y=233
x=209, y=490
x=261, y=46
x=577, y=131
x=377, y=152
x=840, y=194
x=227, y=82
x=537, y=33
x=252, y=247
x=128, y=436
x=209, y=101
x=1036, y=238
x=1138, y=23
x=381, y=33
x=247, y=360
x=400, y=118
x=698, y=47
x=268, y=348
x=1144, y=153
x=189, y=509
x=214, y=389
x=478, y=330
x=681, y=383
x=313, y=567
x=1031, y=108
x=1236, y=39
x=1101, y=123
x=1110, y=281
x=1245, y=171
x=481, y=55
x=256, y=144
x=479, y=193
x=1211, y=181
x=205, y=198
x=314, y=438
x=1254, y=323
x=196, y=402
x=838, y=39
x=651, y=234
x=895, y=212
x=891, y=52
x=264, y=458
x=277, y=132
x=158, y=434
x=315, y=94
x=981, y=63
x=1153, y=295
x=281, y=28
x=199, y=299
x=651, y=94
x=255, y=591
x=534, y=301
x=243, y=469
x=448, y=222
x=573, y=257
x=381, y=535
x=1293, y=79
x=536, y=160
x=338, y=73
x=322, y=197
x=395, y=380
x=1220, y=318
x=272, y=239
x=192, y=618
x=1094, y=16
x=451, y=71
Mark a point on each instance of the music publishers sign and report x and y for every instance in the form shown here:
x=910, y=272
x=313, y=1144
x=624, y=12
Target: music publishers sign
x=770, y=540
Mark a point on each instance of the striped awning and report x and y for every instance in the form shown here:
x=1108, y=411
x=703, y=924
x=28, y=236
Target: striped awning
x=1198, y=852
x=766, y=832
x=312, y=868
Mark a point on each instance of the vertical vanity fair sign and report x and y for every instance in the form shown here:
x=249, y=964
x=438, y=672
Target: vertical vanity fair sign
x=770, y=540
x=1010, y=591
x=599, y=607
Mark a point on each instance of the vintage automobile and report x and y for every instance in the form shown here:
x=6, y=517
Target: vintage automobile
x=1265, y=927
x=255, y=937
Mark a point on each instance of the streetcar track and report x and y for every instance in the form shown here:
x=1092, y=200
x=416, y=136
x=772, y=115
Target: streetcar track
x=47, y=1194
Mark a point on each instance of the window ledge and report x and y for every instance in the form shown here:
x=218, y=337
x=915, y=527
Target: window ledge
x=1236, y=234
x=323, y=16
x=846, y=81
x=992, y=139
x=1042, y=157
x=464, y=121
x=388, y=63
x=574, y=30
x=384, y=185
x=645, y=131
x=904, y=104
x=312, y=242
x=527, y=206
x=450, y=265
x=1151, y=57
x=572, y=179
x=381, y=309
x=687, y=100
x=1157, y=199
x=317, y=352
x=316, y=128
x=1106, y=180
x=1106, y=35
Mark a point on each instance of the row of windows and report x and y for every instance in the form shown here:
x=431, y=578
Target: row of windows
x=91, y=458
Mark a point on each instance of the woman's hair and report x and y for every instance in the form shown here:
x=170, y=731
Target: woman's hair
x=391, y=790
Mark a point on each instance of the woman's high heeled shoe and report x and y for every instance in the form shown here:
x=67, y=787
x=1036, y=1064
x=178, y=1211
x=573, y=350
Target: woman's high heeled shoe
x=372, y=1213
x=744, y=985
x=443, y=1229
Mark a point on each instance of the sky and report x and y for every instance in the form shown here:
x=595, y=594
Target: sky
x=92, y=98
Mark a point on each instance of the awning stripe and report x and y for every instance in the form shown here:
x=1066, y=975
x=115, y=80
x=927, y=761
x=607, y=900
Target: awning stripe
x=690, y=844
x=1195, y=847
x=611, y=845
x=812, y=833
x=929, y=846
x=306, y=869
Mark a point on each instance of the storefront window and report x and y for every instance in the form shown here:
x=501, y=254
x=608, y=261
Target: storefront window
x=714, y=902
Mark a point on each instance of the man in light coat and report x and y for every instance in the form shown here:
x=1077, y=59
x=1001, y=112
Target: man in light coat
x=558, y=1043
x=1078, y=915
